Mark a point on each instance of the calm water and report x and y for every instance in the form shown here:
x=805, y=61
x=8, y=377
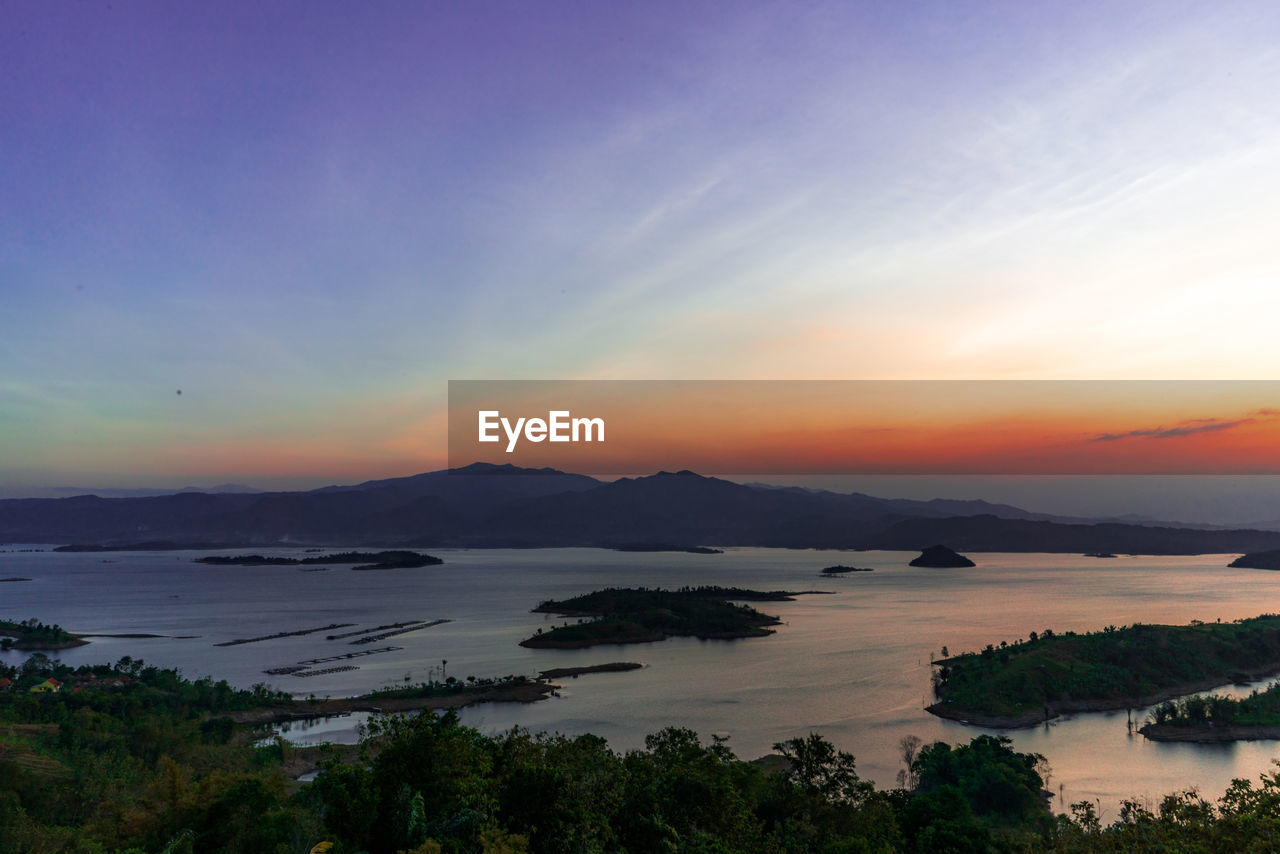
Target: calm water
x=852, y=665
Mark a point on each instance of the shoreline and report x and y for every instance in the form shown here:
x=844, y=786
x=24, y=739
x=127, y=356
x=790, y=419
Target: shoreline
x=1056, y=709
x=537, y=641
x=1209, y=734
x=529, y=692
x=21, y=642
x=575, y=672
x=37, y=647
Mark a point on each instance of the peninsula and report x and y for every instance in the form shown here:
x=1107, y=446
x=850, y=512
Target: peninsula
x=33, y=634
x=452, y=694
x=1027, y=682
x=1258, y=560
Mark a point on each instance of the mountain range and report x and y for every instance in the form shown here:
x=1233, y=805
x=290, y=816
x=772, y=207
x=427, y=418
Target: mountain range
x=485, y=505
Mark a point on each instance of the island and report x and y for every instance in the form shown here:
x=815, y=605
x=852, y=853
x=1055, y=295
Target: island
x=451, y=694
x=1027, y=682
x=941, y=557
x=667, y=547
x=1217, y=718
x=148, y=546
x=575, y=672
x=1258, y=560
x=642, y=615
x=33, y=634
x=841, y=570
x=368, y=560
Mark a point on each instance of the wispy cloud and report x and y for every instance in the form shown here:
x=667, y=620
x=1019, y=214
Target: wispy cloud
x=1188, y=427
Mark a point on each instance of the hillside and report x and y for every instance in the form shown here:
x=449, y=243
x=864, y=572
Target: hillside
x=485, y=505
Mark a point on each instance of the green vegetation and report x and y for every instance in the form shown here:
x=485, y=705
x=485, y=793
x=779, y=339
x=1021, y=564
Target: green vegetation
x=450, y=693
x=370, y=560
x=136, y=759
x=430, y=784
x=33, y=634
x=618, y=598
x=449, y=687
x=130, y=757
x=1245, y=818
x=1025, y=682
x=640, y=614
x=1215, y=711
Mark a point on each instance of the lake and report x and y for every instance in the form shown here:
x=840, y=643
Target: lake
x=853, y=665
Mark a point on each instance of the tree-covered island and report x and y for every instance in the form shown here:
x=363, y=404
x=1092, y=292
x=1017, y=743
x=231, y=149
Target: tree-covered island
x=33, y=634
x=1217, y=718
x=396, y=559
x=841, y=569
x=642, y=615
x=1027, y=682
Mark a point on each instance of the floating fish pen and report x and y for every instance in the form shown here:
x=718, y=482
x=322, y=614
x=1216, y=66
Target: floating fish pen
x=347, y=655
x=325, y=670
x=385, y=635
x=373, y=629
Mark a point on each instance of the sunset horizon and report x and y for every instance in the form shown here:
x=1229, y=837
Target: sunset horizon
x=270, y=261
x=545, y=426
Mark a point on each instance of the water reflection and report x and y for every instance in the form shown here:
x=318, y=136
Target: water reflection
x=853, y=665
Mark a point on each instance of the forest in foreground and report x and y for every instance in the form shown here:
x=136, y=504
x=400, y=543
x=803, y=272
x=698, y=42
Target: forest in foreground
x=133, y=758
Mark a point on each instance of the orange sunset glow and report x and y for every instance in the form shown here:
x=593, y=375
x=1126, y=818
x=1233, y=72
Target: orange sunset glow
x=889, y=427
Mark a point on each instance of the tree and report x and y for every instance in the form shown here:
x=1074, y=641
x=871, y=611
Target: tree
x=818, y=768
x=909, y=747
x=997, y=782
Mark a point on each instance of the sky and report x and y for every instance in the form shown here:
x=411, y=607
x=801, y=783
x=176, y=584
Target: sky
x=870, y=427
x=307, y=217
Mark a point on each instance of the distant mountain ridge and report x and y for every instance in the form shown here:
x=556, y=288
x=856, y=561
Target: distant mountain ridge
x=127, y=492
x=486, y=505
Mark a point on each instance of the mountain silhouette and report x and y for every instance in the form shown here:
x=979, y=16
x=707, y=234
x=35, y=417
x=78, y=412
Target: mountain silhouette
x=487, y=505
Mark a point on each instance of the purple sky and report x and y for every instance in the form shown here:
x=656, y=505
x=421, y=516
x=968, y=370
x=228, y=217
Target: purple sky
x=309, y=216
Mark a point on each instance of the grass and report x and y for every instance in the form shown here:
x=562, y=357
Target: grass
x=18, y=745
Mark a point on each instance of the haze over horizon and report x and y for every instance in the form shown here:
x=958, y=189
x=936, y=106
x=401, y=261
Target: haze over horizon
x=307, y=219
x=1192, y=499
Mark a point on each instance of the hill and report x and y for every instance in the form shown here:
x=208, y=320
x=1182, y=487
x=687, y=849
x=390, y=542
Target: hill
x=484, y=505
